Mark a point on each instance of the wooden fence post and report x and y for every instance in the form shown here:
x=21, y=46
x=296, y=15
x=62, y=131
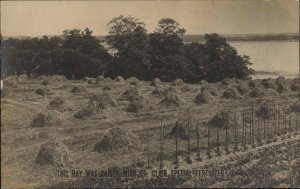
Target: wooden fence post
x=208, y=139
x=148, y=153
x=218, y=144
x=198, y=141
x=161, y=145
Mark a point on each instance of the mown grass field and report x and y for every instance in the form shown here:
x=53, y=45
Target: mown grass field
x=20, y=142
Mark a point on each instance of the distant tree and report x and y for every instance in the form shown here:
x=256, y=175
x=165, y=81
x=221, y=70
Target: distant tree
x=128, y=36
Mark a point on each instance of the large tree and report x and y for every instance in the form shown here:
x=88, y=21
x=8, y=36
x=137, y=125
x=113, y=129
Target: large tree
x=223, y=60
x=167, y=51
x=128, y=36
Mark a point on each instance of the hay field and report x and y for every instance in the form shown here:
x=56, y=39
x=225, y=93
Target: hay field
x=54, y=125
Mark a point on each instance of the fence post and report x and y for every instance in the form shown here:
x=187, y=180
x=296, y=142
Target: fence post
x=226, y=138
x=188, y=160
x=218, y=147
x=176, y=146
x=148, y=154
x=161, y=145
x=198, y=142
x=290, y=126
x=278, y=124
x=245, y=137
x=296, y=128
x=208, y=139
x=243, y=128
x=284, y=122
x=235, y=133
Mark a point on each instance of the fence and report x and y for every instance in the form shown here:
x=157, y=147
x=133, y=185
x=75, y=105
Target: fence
x=255, y=124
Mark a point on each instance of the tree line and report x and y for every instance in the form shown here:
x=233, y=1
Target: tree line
x=129, y=51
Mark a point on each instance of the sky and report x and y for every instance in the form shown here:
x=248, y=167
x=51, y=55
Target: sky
x=36, y=18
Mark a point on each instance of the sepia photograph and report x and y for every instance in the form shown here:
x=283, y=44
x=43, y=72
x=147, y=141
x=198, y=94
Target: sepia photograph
x=150, y=94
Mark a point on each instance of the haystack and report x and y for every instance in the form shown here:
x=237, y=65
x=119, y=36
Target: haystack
x=231, y=93
x=132, y=79
x=119, y=79
x=45, y=82
x=186, y=88
x=155, y=82
x=243, y=88
x=211, y=88
x=179, y=129
x=295, y=107
x=226, y=117
x=203, y=82
x=172, y=99
x=92, y=81
x=108, y=79
x=269, y=84
x=78, y=89
x=204, y=97
x=53, y=154
x=158, y=91
x=178, y=82
x=83, y=113
x=269, y=110
x=10, y=80
x=60, y=104
x=44, y=91
x=227, y=81
x=256, y=92
x=295, y=86
x=118, y=138
x=22, y=77
x=136, y=83
x=131, y=93
x=59, y=78
x=106, y=88
x=138, y=105
x=282, y=85
x=43, y=77
x=48, y=119
x=253, y=83
x=100, y=78
x=101, y=101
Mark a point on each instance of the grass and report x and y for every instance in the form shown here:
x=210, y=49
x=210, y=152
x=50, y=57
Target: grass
x=20, y=141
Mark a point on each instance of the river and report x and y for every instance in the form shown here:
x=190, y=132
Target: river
x=279, y=57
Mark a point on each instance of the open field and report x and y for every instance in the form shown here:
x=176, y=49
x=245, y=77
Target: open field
x=266, y=155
